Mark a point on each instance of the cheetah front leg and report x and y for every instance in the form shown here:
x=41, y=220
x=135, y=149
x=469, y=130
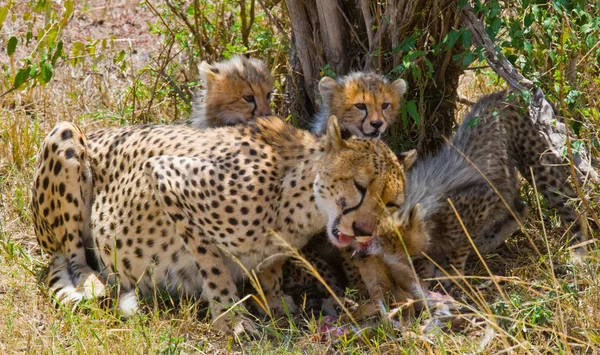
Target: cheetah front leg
x=218, y=286
x=169, y=178
x=271, y=280
x=61, y=205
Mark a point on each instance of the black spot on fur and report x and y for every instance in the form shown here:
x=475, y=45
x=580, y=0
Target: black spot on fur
x=69, y=153
x=66, y=134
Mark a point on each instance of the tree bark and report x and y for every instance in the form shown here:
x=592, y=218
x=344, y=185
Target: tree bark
x=347, y=35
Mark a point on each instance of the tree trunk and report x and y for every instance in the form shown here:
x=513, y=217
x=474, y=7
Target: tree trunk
x=343, y=35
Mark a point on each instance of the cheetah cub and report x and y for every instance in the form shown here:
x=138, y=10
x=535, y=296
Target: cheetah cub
x=236, y=91
x=366, y=104
x=498, y=137
x=171, y=207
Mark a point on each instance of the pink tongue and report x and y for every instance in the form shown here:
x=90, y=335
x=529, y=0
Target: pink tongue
x=345, y=238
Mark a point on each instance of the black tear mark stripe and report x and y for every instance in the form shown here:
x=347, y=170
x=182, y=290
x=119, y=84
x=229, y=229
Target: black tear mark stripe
x=362, y=122
x=363, y=193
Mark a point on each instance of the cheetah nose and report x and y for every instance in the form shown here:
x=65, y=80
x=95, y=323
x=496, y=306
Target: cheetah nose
x=363, y=229
x=265, y=112
x=376, y=124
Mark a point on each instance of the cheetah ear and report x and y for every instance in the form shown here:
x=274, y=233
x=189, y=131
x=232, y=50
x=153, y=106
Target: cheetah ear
x=413, y=215
x=335, y=142
x=416, y=237
x=328, y=87
x=400, y=86
x=407, y=159
x=208, y=73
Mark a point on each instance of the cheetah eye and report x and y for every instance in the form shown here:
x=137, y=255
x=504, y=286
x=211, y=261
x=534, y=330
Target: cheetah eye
x=249, y=98
x=385, y=105
x=392, y=206
x=269, y=96
x=360, y=106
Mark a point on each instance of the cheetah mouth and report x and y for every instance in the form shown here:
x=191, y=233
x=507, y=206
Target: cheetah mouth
x=338, y=238
x=374, y=134
x=364, y=242
x=365, y=247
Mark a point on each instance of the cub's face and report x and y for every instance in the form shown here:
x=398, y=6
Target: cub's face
x=238, y=90
x=366, y=104
x=358, y=179
x=400, y=234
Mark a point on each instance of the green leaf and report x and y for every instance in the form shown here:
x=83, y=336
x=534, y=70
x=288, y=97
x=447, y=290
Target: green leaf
x=57, y=53
x=46, y=72
x=467, y=59
x=3, y=14
x=67, y=14
x=12, y=45
x=21, y=77
x=528, y=20
x=411, y=108
x=552, y=55
x=494, y=27
x=465, y=38
x=451, y=38
x=528, y=47
x=406, y=45
x=33, y=71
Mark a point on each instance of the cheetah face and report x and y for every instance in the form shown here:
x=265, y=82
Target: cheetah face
x=399, y=234
x=239, y=89
x=366, y=104
x=358, y=179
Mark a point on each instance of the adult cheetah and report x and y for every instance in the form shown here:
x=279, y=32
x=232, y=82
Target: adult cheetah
x=169, y=207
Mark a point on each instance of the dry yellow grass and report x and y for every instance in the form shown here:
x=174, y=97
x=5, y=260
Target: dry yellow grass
x=550, y=306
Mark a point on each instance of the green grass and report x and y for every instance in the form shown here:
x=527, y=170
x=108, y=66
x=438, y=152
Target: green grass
x=545, y=304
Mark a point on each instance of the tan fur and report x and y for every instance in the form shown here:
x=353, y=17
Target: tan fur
x=366, y=104
x=236, y=91
x=498, y=138
x=384, y=265
x=171, y=204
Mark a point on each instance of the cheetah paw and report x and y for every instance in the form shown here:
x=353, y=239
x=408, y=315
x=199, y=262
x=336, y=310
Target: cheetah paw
x=236, y=325
x=92, y=287
x=332, y=308
x=128, y=304
x=279, y=306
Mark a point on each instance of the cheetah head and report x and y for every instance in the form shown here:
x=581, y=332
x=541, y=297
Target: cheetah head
x=400, y=234
x=366, y=104
x=356, y=181
x=237, y=90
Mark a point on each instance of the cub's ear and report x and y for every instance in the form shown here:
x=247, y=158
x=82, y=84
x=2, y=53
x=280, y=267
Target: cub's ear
x=400, y=86
x=407, y=159
x=208, y=73
x=328, y=87
x=335, y=142
x=414, y=234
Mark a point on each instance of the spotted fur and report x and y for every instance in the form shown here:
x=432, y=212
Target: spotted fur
x=499, y=138
x=170, y=205
x=236, y=91
x=366, y=104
